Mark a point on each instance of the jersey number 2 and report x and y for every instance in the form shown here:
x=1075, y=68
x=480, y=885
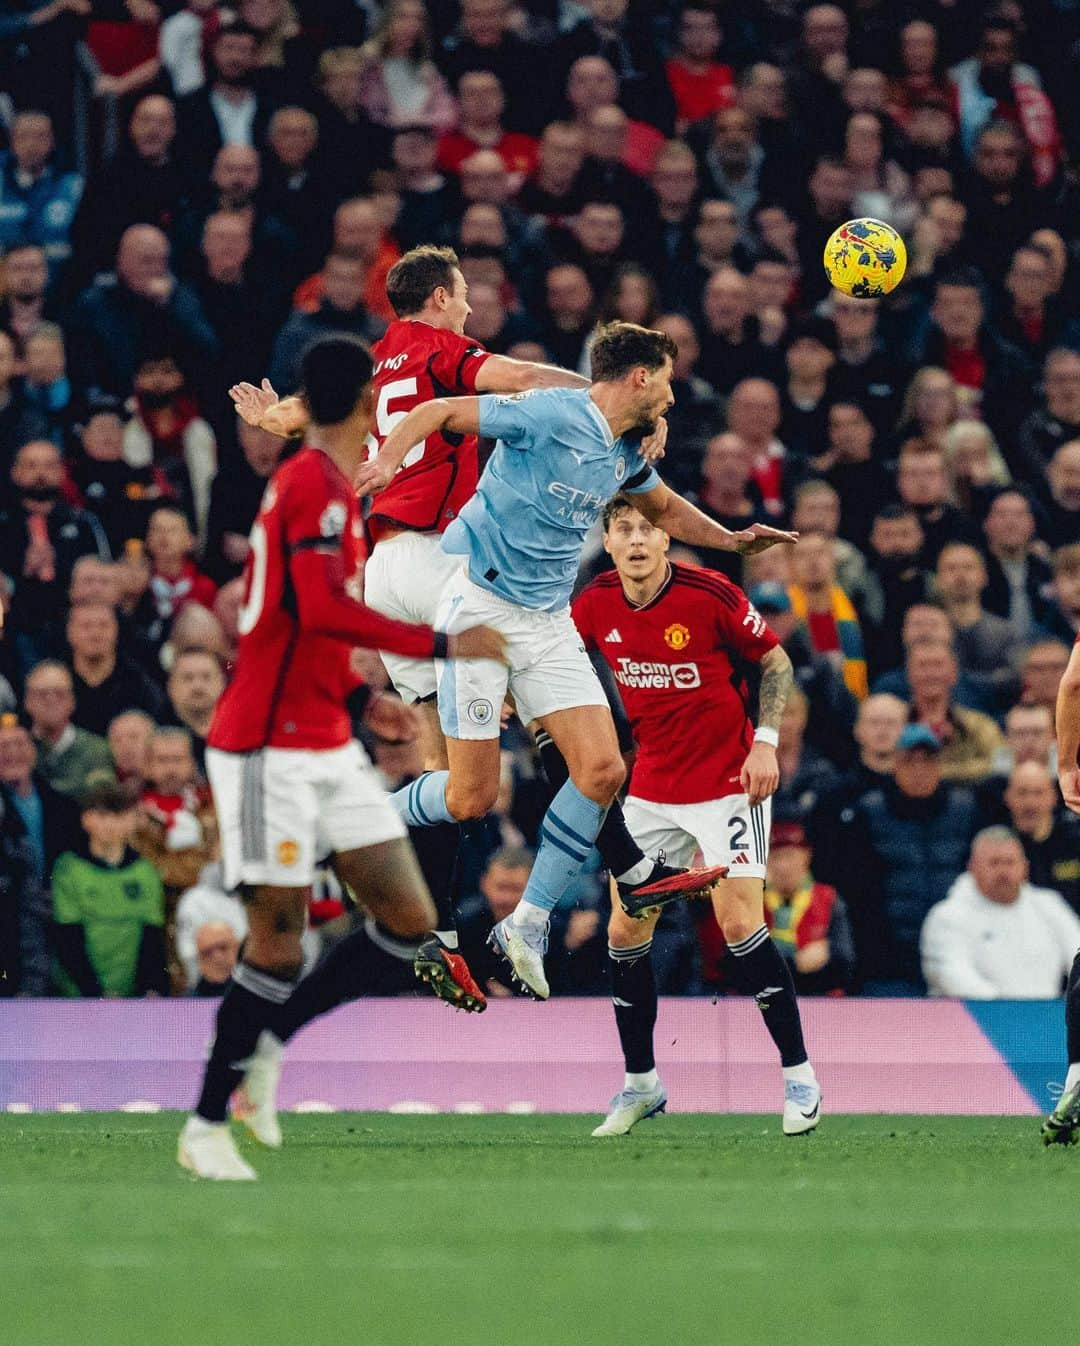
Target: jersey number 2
x=385, y=419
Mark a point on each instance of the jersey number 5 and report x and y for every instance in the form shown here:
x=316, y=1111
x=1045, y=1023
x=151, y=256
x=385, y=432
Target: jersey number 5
x=385, y=419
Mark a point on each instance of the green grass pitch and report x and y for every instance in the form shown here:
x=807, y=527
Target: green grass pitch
x=521, y=1231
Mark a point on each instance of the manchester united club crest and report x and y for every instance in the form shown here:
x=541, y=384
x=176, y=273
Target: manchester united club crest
x=677, y=636
x=288, y=852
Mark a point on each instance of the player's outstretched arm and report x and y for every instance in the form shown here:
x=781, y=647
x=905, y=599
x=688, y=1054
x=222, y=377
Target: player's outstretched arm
x=262, y=408
x=665, y=509
x=460, y=414
x=1068, y=732
x=501, y=374
x=760, y=774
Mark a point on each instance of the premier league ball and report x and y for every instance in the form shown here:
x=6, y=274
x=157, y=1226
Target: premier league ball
x=865, y=258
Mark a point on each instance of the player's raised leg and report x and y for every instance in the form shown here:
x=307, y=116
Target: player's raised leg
x=633, y=997
x=585, y=736
x=1062, y=1127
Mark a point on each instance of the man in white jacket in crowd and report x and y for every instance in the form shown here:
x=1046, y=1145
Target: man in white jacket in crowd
x=997, y=936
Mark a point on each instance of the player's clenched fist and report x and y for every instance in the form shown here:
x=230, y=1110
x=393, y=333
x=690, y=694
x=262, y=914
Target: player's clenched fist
x=478, y=642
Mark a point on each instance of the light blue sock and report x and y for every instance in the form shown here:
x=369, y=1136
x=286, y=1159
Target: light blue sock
x=567, y=834
x=423, y=803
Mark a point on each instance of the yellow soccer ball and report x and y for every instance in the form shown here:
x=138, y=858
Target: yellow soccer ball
x=865, y=258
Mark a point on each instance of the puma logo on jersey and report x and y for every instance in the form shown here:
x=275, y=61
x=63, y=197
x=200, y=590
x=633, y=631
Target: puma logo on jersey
x=613, y=637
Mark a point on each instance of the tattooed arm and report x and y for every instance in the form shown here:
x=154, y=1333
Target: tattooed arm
x=760, y=773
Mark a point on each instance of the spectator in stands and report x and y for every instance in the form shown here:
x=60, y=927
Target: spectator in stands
x=830, y=190
x=1029, y=737
x=1063, y=617
x=712, y=246
x=931, y=407
x=229, y=109
x=733, y=345
x=806, y=776
x=350, y=144
x=974, y=466
x=37, y=201
x=733, y=162
x=809, y=355
x=481, y=105
x=727, y=492
x=108, y=906
x=46, y=387
x=217, y=951
x=26, y=302
x=176, y=828
x=567, y=317
x=342, y=310
x=987, y=646
x=922, y=81
x=1041, y=673
x=1004, y=204
x=753, y=413
x=968, y=740
x=696, y=413
x=1063, y=506
x=997, y=936
x=18, y=420
x=485, y=39
x=129, y=737
x=923, y=488
x=816, y=509
x=295, y=188
x=25, y=907
x=359, y=233
x=146, y=183
x=174, y=577
x=106, y=682
x=70, y=759
x=1056, y=421
x=206, y=904
x=196, y=681
x=831, y=620
x=1031, y=319
x=808, y=920
x=895, y=582
x=1051, y=841
x=400, y=85
x=117, y=317
x=845, y=459
x=902, y=846
x=700, y=84
x=49, y=820
x=1017, y=575
x=41, y=538
x=555, y=192
x=993, y=376
x=235, y=500
x=606, y=32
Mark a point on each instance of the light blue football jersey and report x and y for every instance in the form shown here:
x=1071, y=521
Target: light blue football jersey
x=555, y=465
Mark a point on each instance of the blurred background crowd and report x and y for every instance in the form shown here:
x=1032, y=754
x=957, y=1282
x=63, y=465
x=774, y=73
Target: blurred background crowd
x=190, y=193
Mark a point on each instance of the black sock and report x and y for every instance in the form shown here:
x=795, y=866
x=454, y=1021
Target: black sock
x=251, y=1003
x=633, y=992
x=1072, y=1012
x=366, y=962
x=618, y=849
x=761, y=971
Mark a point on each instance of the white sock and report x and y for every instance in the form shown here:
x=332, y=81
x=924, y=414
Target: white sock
x=803, y=1074
x=643, y=1082
x=527, y=914
x=638, y=873
x=1073, y=1077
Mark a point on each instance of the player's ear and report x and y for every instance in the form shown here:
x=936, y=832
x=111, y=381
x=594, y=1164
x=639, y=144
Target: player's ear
x=667, y=539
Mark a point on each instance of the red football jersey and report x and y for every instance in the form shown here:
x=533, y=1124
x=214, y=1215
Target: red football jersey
x=414, y=363
x=676, y=662
x=302, y=615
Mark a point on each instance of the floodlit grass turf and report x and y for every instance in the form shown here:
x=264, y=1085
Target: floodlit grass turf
x=521, y=1231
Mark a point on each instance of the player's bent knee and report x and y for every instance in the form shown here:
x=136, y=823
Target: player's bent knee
x=739, y=926
x=624, y=932
x=470, y=802
x=602, y=780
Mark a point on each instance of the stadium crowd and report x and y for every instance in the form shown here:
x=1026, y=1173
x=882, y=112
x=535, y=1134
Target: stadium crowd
x=190, y=193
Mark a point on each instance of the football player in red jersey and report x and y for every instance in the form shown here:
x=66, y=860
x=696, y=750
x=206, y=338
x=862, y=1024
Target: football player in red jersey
x=1062, y=1127
x=424, y=354
x=677, y=638
x=289, y=781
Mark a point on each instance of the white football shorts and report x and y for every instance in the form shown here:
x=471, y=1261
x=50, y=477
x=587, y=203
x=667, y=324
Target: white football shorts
x=726, y=831
x=282, y=810
x=404, y=578
x=549, y=669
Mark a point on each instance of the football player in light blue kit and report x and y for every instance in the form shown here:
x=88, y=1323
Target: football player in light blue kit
x=561, y=453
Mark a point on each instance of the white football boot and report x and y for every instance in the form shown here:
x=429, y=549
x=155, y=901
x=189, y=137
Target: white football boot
x=208, y=1150
x=523, y=947
x=802, y=1107
x=629, y=1108
x=255, y=1101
